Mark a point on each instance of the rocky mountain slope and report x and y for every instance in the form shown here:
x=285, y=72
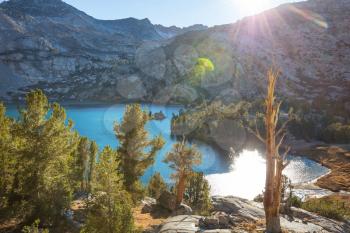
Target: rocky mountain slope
x=168, y=32
x=51, y=44
x=72, y=56
x=309, y=42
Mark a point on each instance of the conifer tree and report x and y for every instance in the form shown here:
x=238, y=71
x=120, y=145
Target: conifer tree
x=197, y=193
x=136, y=150
x=182, y=158
x=92, y=162
x=83, y=158
x=156, y=186
x=109, y=210
x=42, y=172
x=84, y=162
x=8, y=156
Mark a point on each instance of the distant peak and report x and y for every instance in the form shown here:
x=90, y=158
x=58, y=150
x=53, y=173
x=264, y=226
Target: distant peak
x=33, y=2
x=146, y=20
x=38, y=7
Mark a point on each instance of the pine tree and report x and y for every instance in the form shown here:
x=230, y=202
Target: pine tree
x=197, y=193
x=92, y=162
x=182, y=158
x=109, y=210
x=84, y=163
x=156, y=186
x=8, y=156
x=42, y=177
x=136, y=150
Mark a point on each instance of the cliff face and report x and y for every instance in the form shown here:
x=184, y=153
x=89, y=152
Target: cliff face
x=51, y=45
x=308, y=41
x=72, y=56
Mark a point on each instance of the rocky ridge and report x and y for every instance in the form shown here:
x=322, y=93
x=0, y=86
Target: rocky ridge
x=72, y=56
x=232, y=214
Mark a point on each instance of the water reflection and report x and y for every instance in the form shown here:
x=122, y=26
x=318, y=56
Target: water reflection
x=247, y=176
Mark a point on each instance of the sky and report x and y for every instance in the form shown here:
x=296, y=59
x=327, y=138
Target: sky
x=176, y=12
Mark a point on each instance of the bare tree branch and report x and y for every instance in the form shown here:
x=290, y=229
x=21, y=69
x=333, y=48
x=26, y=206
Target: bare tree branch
x=280, y=142
x=277, y=109
x=283, y=127
x=285, y=153
x=256, y=132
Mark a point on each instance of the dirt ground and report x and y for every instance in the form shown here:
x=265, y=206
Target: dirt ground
x=337, y=159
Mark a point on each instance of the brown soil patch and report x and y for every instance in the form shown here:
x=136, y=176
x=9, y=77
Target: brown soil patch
x=258, y=226
x=9, y=225
x=145, y=221
x=335, y=158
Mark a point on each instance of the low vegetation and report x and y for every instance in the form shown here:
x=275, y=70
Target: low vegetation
x=197, y=194
x=109, y=209
x=202, y=121
x=336, y=207
x=156, y=186
x=34, y=228
x=310, y=124
x=221, y=125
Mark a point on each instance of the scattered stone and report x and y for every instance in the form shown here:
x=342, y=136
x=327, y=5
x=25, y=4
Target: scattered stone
x=180, y=224
x=148, y=205
x=224, y=219
x=167, y=200
x=183, y=210
x=218, y=231
x=159, y=116
x=232, y=214
x=210, y=222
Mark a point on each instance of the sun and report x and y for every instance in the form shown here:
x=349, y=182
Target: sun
x=251, y=7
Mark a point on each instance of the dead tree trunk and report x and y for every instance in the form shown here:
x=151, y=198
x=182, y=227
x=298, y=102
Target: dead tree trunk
x=274, y=161
x=180, y=189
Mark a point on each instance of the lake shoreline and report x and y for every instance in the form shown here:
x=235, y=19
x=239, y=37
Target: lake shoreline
x=79, y=104
x=324, y=185
x=334, y=157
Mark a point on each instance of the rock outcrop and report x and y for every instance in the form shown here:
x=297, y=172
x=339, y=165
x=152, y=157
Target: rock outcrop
x=167, y=200
x=231, y=212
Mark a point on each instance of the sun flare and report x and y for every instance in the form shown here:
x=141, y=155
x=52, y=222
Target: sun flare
x=251, y=7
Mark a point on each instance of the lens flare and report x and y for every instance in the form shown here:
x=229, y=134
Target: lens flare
x=311, y=16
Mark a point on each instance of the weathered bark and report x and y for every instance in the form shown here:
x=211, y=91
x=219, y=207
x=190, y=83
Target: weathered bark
x=180, y=189
x=274, y=162
x=274, y=224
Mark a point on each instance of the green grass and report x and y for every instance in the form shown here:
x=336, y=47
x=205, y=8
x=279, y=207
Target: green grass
x=336, y=207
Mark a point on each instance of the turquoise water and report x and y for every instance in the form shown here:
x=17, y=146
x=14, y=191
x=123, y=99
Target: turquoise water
x=244, y=176
x=96, y=123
